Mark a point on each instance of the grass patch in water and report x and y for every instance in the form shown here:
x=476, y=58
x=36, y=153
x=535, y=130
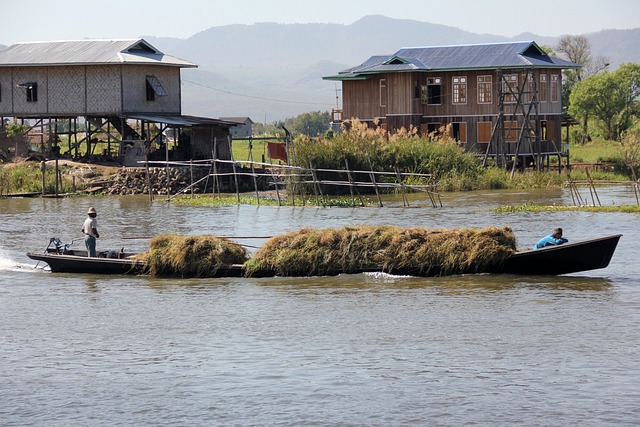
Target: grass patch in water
x=413, y=251
x=191, y=256
x=536, y=208
x=209, y=200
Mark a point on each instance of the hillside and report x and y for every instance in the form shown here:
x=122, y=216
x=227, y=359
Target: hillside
x=270, y=71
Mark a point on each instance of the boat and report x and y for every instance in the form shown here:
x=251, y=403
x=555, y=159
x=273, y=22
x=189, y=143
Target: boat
x=78, y=262
x=567, y=258
x=62, y=259
x=572, y=257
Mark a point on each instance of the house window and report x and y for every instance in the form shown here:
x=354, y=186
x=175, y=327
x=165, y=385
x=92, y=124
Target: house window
x=433, y=128
x=530, y=88
x=510, y=87
x=543, y=88
x=383, y=92
x=432, y=92
x=484, y=132
x=459, y=90
x=154, y=88
x=459, y=130
x=31, y=89
x=555, y=87
x=511, y=131
x=484, y=90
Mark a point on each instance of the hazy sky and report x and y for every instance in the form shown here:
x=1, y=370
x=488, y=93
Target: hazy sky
x=36, y=20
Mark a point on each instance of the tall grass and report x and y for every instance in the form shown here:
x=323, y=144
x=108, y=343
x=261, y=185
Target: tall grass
x=27, y=178
x=597, y=151
x=368, y=149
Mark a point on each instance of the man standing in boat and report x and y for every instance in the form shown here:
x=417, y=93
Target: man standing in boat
x=552, y=239
x=90, y=229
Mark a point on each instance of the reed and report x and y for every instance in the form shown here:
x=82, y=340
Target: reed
x=413, y=251
x=191, y=256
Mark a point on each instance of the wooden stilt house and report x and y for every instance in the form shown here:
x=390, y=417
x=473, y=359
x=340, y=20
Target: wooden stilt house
x=501, y=100
x=120, y=95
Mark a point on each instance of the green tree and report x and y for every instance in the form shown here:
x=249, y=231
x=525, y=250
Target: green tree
x=310, y=124
x=610, y=99
x=577, y=49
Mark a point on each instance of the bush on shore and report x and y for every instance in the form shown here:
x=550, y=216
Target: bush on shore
x=368, y=148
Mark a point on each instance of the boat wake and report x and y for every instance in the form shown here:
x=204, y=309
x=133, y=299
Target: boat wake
x=380, y=275
x=7, y=264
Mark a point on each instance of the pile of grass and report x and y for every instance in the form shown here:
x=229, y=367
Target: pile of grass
x=414, y=251
x=191, y=256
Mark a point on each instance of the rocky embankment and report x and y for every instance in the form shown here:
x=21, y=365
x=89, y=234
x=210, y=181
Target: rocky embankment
x=163, y=181
x=138, y=181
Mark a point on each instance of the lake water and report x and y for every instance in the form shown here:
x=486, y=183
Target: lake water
x=351, y=350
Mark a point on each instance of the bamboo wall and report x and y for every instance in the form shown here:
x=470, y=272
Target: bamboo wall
x=66, y=91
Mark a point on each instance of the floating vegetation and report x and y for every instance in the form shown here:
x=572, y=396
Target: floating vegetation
x=191, y=256
x=271, y=200
x=413, y=251
x=536, y=208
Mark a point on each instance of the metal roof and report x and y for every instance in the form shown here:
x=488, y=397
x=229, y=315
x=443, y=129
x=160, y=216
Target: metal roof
x=525, y=54
x=87, y=52
x=182, y=120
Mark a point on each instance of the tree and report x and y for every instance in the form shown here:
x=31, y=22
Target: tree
x=610, y=99
x=310, y=124
x=577, y=49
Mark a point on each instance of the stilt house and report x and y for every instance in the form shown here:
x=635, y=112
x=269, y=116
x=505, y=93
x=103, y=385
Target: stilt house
x=501, y=100
x=126, y=94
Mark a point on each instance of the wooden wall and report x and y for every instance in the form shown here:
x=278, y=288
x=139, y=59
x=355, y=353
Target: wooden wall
x=403, y=106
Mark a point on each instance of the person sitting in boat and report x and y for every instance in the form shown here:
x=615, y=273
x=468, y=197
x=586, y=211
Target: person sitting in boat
x=552, y=239
x=90, y=229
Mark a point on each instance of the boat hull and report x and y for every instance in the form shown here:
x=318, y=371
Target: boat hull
x=59, y=263
x=66, y=263
x=563, y=259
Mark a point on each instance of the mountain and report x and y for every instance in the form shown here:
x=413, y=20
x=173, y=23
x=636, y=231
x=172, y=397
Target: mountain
x=273, y=71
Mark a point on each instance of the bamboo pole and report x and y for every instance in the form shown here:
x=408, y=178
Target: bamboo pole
x=221, y=237
x=373, y=180
x=405, y=201
x=233, y=164
x=253, y=172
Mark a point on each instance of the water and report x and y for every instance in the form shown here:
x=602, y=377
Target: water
x=368, y=349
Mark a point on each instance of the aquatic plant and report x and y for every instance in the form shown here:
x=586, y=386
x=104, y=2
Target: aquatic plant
x=191, y=256
x=414, y=251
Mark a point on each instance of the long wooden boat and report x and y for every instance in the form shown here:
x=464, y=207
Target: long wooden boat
x=553, y=260
x=572, y=257
x=78, y=262
x=108, y=262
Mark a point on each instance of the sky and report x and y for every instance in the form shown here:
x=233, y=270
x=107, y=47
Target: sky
x=42, y=20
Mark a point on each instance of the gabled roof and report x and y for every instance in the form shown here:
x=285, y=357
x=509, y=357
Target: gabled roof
x=240, y=120
x=87, y=52
x=511, y=55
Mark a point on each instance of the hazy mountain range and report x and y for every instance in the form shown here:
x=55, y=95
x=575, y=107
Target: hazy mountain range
x=270, y=71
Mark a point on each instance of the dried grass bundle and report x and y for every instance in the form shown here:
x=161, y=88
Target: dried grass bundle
x=191, y=256
x=414, y=251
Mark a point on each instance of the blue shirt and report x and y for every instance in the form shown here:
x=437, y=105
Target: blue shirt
x=549, y=240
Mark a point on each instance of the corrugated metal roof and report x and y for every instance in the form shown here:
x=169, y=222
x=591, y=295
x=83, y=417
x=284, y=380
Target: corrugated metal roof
x=87, y=52
x=461, y=57
x=182, y=120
